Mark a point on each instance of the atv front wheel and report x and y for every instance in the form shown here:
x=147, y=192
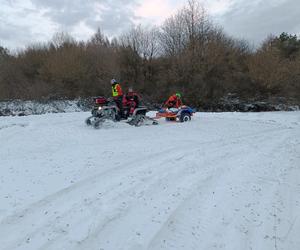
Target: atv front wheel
x=88, y=121
x=98, y=123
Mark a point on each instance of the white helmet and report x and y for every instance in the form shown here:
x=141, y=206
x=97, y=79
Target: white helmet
x=113, y=81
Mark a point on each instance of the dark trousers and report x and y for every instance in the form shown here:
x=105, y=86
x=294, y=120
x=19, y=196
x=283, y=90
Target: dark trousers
x=132, y=105
x=119, y=101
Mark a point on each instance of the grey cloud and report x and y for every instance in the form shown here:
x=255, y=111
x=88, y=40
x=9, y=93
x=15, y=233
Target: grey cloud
x=113, y=17
x=63, y=4
x=20, y=24
x=66, y=18
x=28, y=23
x=12, y=34
x=254, y=21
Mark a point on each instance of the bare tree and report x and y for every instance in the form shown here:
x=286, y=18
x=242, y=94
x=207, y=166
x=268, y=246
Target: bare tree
x=60, y=39
x=142, y=40
x=173, y=38
x=99, y=39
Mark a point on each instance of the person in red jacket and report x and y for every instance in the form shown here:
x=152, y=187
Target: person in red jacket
x=131, y=100
x=174, y=101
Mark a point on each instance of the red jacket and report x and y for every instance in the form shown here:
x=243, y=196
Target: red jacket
x=173, y=102
x=131, y=97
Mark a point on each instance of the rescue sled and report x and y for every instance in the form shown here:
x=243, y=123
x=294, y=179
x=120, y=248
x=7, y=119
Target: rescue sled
x=181, y=114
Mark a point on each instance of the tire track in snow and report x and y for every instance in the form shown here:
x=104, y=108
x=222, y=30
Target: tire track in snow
x=132, y=165
x=180, y=176
x=37, y=209
x=216, y=230
x=34, y=209
x=9, y=224
x=207, y=183
x=93, y=240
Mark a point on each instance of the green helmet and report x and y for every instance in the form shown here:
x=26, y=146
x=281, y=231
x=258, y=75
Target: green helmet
x=178, y=94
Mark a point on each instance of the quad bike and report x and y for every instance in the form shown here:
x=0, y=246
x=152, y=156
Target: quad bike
x=181, y=114
x=107, y=109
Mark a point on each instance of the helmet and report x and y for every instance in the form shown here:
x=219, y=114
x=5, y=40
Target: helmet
x=113, y=81
x=178, y=95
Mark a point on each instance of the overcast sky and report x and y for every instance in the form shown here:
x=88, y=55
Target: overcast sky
x=23, y=22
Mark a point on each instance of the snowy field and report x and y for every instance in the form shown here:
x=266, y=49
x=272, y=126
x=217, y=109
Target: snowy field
x=223, y=181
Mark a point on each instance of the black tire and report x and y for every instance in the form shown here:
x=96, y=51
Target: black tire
x=140, y=119
x=170, y=118
x=88, y=122
x=114, y=116
x=185, y=117
x=118, y=117
x=98, y=123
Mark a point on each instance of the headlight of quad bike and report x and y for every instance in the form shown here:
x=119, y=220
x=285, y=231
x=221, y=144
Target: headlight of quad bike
x=99, y=108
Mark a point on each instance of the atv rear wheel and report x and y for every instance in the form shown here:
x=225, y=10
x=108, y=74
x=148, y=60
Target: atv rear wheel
x=139, y=120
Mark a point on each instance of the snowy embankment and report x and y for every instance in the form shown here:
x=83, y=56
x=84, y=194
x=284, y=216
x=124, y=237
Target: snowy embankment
x=223, y=181
x=226, y=104
x=23, y=108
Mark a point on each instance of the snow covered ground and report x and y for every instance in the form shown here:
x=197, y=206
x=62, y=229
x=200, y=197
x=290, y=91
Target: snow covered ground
x=223, y=181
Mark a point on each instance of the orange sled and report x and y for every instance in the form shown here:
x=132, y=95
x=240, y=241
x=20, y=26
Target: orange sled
x=182, y=114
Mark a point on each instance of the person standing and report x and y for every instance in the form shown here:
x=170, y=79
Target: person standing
x=117, y=94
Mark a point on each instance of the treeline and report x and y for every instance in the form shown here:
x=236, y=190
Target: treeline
x=187, y=53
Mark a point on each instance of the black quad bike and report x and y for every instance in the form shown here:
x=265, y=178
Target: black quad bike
x=107, y=110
